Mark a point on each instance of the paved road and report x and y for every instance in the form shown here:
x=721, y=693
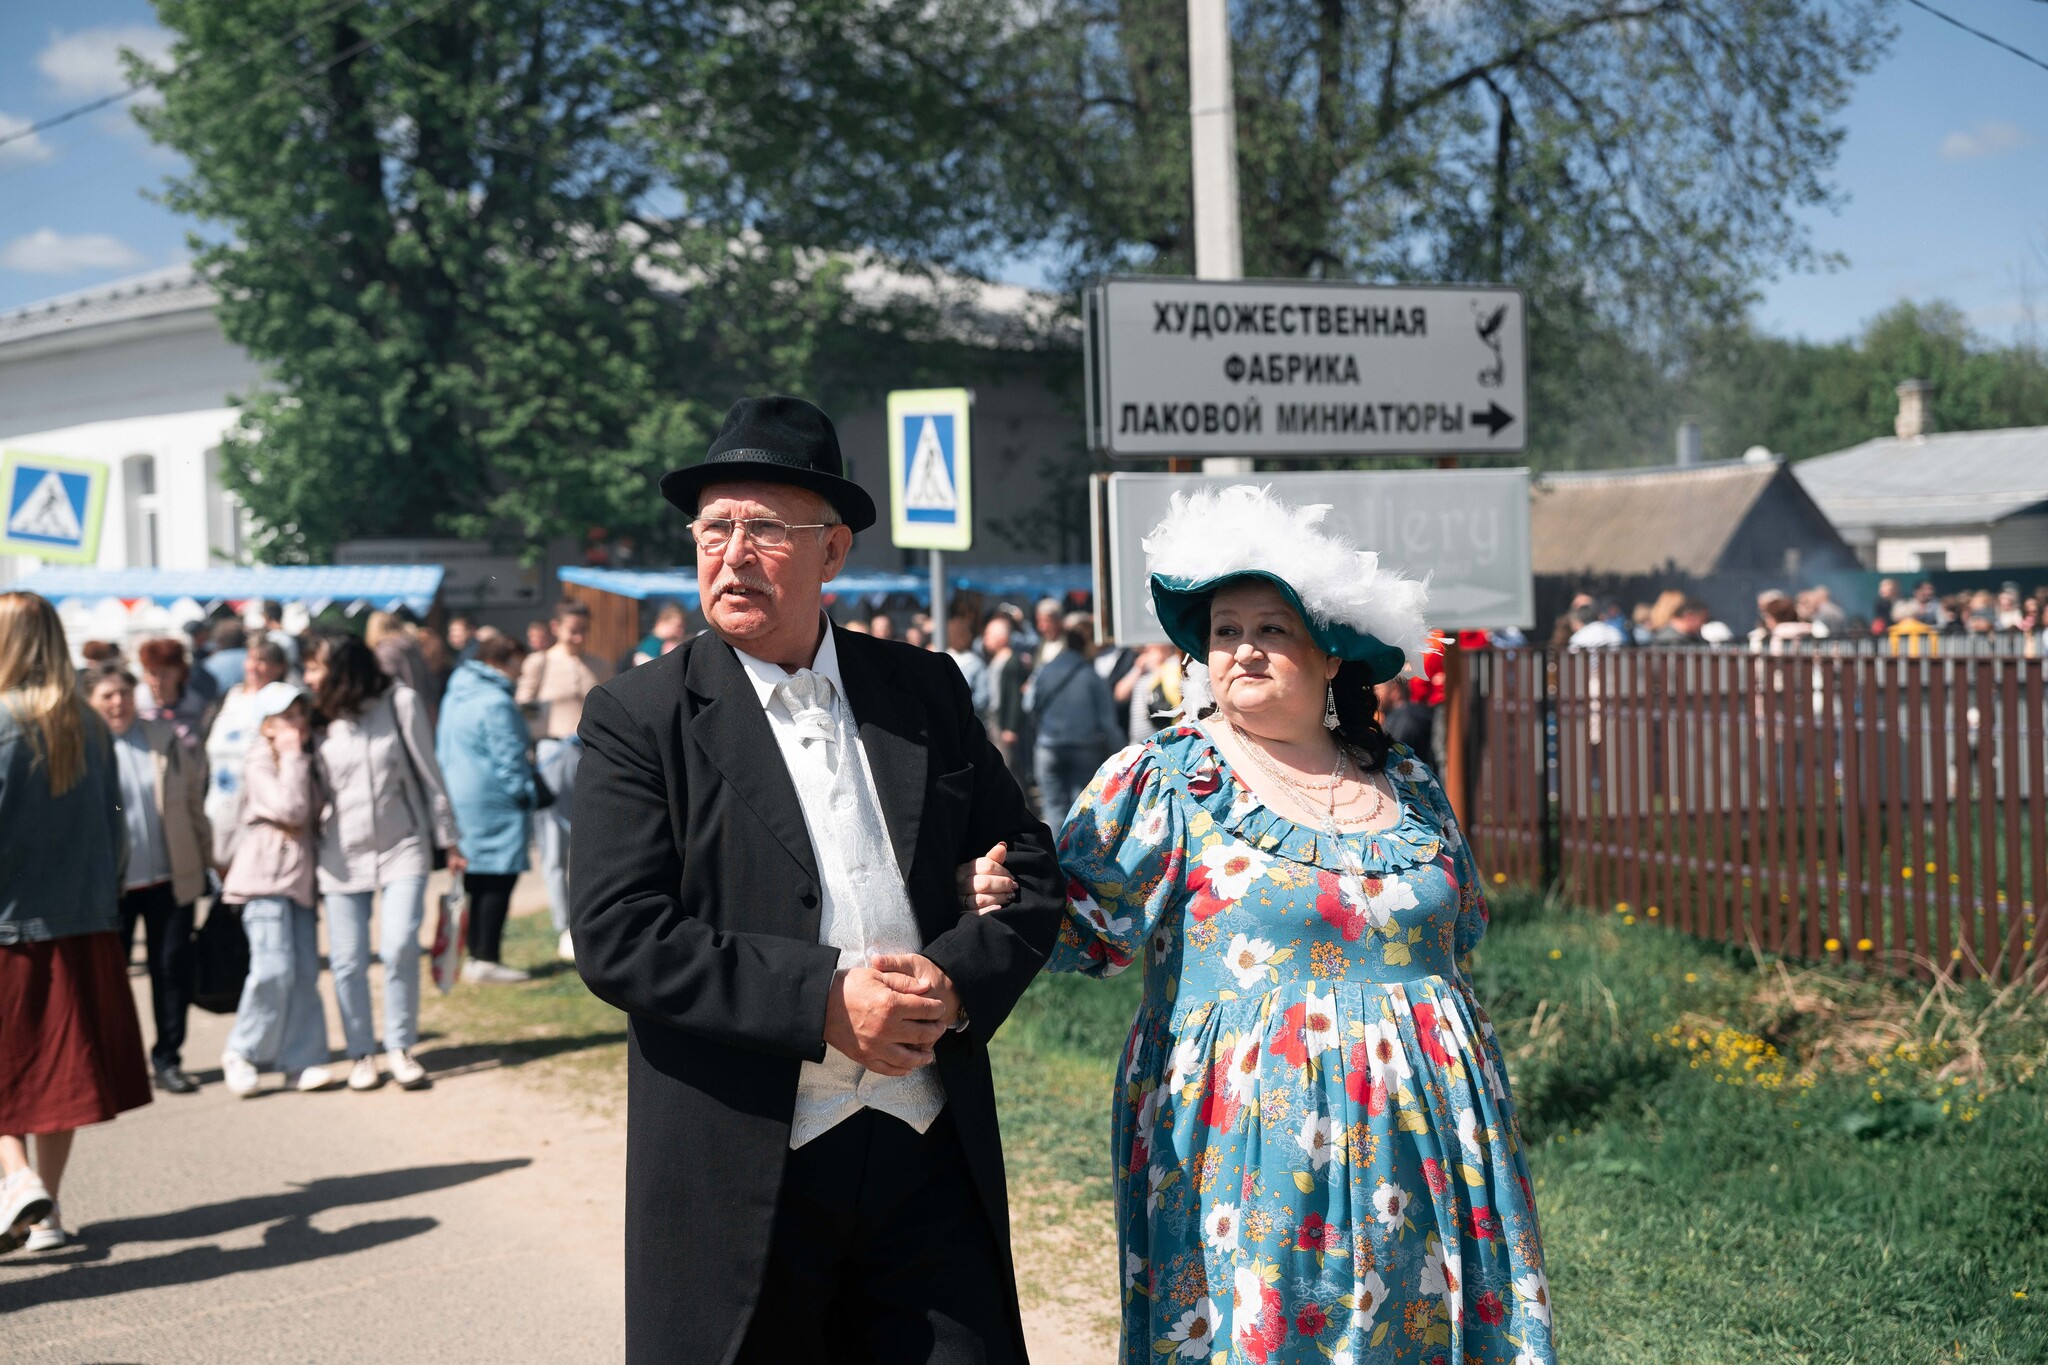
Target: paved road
x=481, y=1220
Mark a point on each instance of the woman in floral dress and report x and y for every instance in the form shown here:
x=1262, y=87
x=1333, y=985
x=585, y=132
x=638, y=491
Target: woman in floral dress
x=1316, y=1153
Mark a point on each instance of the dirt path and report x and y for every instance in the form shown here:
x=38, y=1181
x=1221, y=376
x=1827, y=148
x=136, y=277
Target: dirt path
x=481, y=1220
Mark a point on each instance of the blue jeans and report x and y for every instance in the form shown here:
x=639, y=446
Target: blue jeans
x=1063, y=772
x=398, y=948
x=557, y=760
x=280, y=1020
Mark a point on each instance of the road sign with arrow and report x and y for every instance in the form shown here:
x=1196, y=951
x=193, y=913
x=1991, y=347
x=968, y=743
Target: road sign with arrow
x=1276, y=368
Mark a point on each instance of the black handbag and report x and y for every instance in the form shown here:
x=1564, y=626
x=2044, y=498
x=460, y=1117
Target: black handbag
x=220, y=952
x=543, y=794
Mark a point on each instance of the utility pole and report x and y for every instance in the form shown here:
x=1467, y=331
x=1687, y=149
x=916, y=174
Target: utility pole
x=1212, y=110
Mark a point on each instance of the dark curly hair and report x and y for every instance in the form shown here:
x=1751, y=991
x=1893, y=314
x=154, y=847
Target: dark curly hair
x=354, y=678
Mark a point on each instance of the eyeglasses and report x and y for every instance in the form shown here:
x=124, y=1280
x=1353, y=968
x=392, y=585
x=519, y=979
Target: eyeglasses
x=712, y=533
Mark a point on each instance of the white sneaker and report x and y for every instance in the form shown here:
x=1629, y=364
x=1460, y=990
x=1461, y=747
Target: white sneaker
x=363, y=1075
x=409, y=1074
x=49, y=1234
x=478, y=972
x=241, y=1075
x=24, y=1199
x=313, y=1078
x=565, y=947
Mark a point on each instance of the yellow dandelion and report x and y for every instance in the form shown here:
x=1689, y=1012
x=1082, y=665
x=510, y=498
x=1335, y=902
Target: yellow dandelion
x=1954, y=880
x=1955, y=955
x=1556, y=953
x=1833, y=945
x=1652, y=912
x=1621, y=907
x=1628, y=919
x=2019, y=1293
x=1862, y=945
x=1499, y=878
x=1930, y=867
x=1692, y=976
x=1907, y=873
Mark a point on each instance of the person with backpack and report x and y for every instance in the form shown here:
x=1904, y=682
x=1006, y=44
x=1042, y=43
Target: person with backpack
x=386, y=814
x=280, y=1019
x=1074, y=718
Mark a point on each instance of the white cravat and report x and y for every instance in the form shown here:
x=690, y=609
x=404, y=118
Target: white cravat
x=866, y=910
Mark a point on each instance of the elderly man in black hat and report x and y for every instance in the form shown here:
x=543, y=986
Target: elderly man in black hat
x=769, y=820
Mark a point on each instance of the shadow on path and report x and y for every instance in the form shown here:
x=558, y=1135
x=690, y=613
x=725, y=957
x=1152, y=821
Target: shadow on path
x=316, y=1196
x=459, y=1058
x=293, y=1238
x=290, y=1242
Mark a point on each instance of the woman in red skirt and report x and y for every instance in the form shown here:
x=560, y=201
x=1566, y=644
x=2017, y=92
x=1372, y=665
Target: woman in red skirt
x=70, y=1046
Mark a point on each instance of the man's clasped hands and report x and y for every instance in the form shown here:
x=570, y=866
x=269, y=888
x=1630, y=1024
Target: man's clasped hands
x=891, y=1013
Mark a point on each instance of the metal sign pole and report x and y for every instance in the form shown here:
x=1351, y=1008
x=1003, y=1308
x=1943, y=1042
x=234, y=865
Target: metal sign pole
x=1212, y=112
x=939, y=596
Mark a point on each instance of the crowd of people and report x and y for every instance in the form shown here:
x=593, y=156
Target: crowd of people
x=1812, y=613
x=280, y=778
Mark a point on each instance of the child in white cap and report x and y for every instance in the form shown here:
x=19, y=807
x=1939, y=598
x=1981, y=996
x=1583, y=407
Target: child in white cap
x=280, y=1021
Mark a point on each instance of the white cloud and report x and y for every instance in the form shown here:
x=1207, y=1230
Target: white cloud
x=88, y=63
x=22, y=151
x=1988, y=139
x=48, y=252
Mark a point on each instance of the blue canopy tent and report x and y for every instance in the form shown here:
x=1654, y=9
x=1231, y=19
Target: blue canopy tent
x=385, y=586
x=1011, y=581
x=1024, y=583
x=680, y=584
x=613, y=595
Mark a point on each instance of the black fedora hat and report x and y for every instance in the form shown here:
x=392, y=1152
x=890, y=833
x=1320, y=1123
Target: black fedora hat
x=775, y=440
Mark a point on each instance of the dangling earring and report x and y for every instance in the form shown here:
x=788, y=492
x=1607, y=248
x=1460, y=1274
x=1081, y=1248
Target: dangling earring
x=1330, y=721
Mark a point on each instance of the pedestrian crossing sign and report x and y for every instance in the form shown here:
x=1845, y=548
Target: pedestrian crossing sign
x=931, y=476
x=52, y=506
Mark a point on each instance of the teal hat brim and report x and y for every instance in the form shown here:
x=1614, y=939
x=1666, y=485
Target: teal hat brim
x=1183, y=608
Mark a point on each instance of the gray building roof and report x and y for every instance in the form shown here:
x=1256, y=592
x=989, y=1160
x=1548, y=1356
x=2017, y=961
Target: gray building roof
x=1958, y=478
x=1664, y=519
x=118, y=306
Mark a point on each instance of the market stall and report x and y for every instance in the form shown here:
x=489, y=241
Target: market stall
x=124, y=606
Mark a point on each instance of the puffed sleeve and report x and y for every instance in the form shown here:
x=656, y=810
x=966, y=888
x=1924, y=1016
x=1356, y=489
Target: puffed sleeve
x=1122, y=855
x=1472, y=911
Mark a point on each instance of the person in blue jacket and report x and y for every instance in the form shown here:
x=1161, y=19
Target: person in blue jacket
x=482, y=751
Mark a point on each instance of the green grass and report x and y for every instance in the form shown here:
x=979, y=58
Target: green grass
x=552, y=1027
x=1736, y=1160
x=1716, y=1180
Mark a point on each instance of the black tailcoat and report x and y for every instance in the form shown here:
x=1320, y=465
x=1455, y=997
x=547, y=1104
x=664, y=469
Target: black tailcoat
x=696, y=905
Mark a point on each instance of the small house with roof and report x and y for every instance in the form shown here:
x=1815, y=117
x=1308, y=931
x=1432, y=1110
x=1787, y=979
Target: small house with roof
x=1921, y=501
x=1722, y=532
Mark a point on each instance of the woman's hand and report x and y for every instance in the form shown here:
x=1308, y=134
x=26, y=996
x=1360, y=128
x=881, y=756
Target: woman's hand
x=985, y=884
x=457, y=864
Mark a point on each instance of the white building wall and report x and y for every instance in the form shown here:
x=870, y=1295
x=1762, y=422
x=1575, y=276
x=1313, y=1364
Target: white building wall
x=189, y=512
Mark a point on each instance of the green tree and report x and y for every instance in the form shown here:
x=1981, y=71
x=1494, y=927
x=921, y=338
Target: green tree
x=433, y=227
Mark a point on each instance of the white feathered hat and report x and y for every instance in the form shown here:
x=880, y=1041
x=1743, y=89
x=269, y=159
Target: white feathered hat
x=1353, y=608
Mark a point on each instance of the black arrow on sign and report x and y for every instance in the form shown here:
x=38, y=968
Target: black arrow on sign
x=1493, y=419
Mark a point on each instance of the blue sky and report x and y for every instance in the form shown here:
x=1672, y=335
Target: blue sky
x=1945, y=169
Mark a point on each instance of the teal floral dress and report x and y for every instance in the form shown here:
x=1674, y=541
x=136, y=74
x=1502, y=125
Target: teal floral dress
x=1317, y=1159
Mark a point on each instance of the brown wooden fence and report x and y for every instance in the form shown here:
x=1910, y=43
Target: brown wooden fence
x=1887, y=809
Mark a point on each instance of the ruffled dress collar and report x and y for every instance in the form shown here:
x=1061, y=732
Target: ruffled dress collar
x=1211, y=783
